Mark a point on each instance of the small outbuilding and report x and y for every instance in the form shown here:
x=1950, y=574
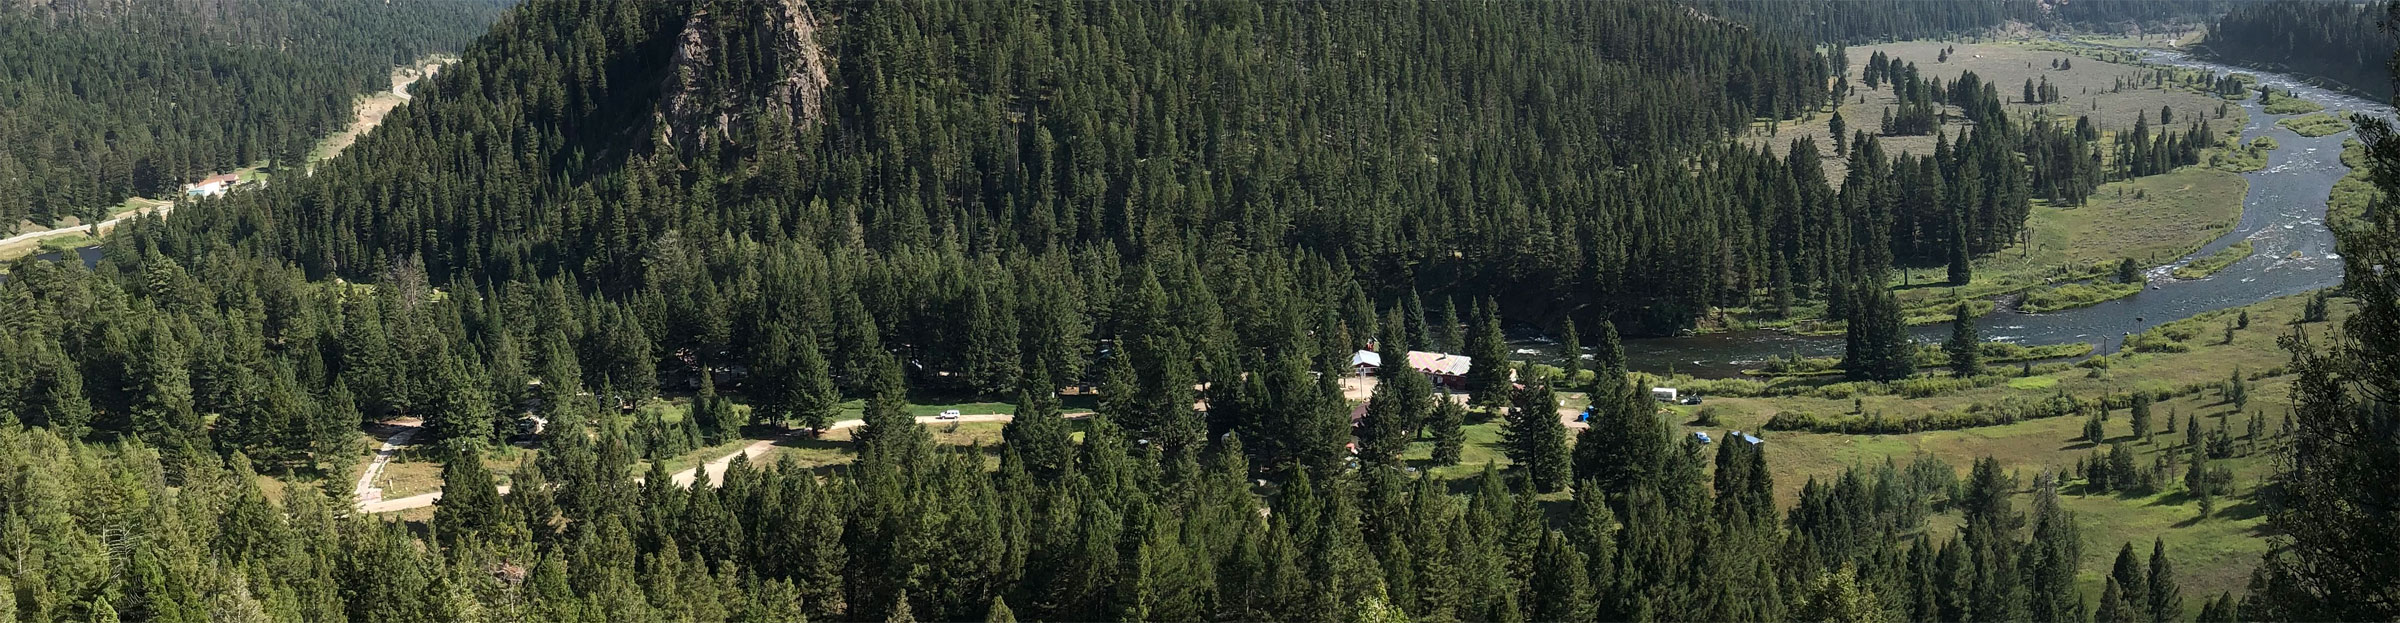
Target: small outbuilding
x=1366, y=363
x=1663, y=394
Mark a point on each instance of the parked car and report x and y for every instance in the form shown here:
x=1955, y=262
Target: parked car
x=1691, y=400
x=947, y=415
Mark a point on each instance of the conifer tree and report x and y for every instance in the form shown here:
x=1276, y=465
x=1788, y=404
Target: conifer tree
x=1965, y=349
x=1961, y=261
x=1840, y=132
x=999, y=612
x=1608, y=357
x=1488, y=373
x=1038, y=435
x=2141, y=415
x=1558, y=585
x=2165, y=598
x=1878, y=344
x=992, y=349
x=1449, y=439
x=1449, y=329
x=1626, y=444
x=1399, y=404
x=889, y=432
x=2237, y=390
x=470, y=502
x=2114, y=608
x=1840, y=596
x=1570, y=347
x=1536, y=440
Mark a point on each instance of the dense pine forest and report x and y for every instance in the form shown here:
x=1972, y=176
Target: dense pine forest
x=100, y=101
x=1200, y=210
x=2343, y=42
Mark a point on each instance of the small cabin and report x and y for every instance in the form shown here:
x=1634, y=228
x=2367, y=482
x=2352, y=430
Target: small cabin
x=1366, y=363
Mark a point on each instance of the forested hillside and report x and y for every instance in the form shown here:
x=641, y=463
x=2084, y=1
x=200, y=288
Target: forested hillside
x=104, y=100
x=2342, y=42
x=1201, y=210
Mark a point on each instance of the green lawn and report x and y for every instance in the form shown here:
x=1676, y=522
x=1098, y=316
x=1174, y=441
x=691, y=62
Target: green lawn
x=1482, y=446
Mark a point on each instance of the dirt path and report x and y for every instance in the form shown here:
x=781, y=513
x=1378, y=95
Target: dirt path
x=371, y=109
x=369, y=113
x=715, y=467
x=366, y=492
x=27, y=242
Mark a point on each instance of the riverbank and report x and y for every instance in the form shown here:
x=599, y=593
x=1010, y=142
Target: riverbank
x=2188, y=362
x=2153, y=220
x=2280, y=214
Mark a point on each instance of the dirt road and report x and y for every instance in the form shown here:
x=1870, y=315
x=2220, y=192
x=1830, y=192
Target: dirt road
x=715, y=468
x=369, y=113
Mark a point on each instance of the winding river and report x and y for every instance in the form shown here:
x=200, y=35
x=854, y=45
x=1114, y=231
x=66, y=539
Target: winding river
x=2283, y=217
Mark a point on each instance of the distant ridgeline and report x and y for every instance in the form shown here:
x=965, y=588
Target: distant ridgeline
x=1854, y=21
x=104, y=100
x=2337, y=41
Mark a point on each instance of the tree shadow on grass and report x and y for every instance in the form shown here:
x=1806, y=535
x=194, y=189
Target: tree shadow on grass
x=2249, y=508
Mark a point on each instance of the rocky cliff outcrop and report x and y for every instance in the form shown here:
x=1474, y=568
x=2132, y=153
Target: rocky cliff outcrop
x=696, y=109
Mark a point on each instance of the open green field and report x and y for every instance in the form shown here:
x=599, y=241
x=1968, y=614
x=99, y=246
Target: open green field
x=2347, y=204
x=2203, y=267
x=2069, y=296
x=2090, y=88
x=2188, y=359
x=835, y=448
x=2243, y=158
x=2168, y=40
x=2153, y=220
x=2314, y=124
x=2280, y=104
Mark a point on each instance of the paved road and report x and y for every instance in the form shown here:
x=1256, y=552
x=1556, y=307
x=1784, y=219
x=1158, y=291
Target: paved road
x=685, y=478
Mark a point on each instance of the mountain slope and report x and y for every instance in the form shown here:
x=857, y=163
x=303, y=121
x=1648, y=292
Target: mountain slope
x=100, y=100
x=1390, y=134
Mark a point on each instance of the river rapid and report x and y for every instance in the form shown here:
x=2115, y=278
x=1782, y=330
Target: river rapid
x=2283, y=217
